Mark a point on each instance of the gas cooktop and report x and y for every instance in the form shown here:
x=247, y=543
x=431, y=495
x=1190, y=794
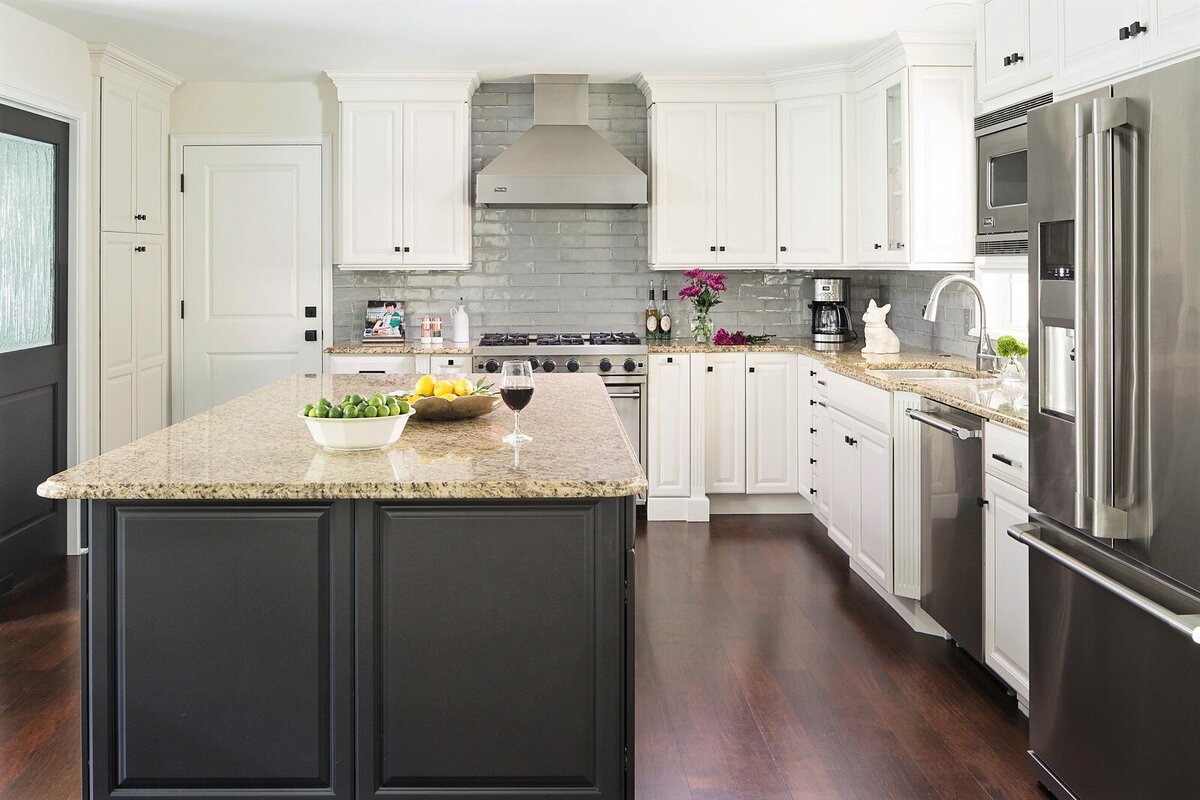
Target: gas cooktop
x=559, y=339
x=572, y=352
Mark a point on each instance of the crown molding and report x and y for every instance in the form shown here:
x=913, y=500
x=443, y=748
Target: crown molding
x=403, y=86
x=814, y=81
x=701, y=88
x=899, y=50
x=112, y=61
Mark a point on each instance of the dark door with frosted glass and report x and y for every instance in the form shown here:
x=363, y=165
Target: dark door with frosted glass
x=33, y=339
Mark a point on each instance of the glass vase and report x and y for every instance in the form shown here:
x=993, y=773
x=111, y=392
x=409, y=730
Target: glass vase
x=1013, y=373
x=701, y=327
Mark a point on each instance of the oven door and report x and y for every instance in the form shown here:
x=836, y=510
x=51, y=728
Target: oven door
x=1003, y=187
x=628, y=396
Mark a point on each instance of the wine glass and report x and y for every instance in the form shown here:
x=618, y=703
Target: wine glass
x=516, y=390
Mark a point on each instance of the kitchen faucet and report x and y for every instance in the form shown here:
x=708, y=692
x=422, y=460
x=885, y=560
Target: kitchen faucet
x=986, y=359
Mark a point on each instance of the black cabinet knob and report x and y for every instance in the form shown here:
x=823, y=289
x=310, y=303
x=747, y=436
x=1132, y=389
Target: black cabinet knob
x=710, y=369
x=397, y=248
x=712, y=249
x=1017, y=58
x=721, y=248
x=878, y=246
x=812, y=430
x=1008, y=61
x=310, y=335
x=782, y=248
x=407, y=249
x=1135, y=29
x=752, y=369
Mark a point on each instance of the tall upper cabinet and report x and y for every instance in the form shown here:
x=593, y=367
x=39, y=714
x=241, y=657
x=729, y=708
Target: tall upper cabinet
x=131, y=101
x=810, y=180
x=405, y=167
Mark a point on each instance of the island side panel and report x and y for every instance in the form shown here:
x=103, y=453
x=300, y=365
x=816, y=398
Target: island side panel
x=220, y=650
x=491, y=649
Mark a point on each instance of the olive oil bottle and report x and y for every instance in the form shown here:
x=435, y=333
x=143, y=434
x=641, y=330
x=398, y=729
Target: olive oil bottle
x=652, y=332
x=664, y=314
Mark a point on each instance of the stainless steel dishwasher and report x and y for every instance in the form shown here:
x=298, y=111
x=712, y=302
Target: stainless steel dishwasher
x=952, y=521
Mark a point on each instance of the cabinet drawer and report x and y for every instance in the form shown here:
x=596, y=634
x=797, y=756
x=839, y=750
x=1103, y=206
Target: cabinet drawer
x=450, y=365
x=1006, y=453
x=815, y=372
x=866, y=403
x=389, y=365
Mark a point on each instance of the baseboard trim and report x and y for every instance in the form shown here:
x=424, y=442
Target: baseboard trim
x=759, y=504
x=677, y=509
x=909, y=610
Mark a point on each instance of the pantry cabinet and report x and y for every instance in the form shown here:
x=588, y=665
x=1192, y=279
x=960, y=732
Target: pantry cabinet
x=669, y=426
x=772, y=419
x=712, y=170
x=404, y=184
x=809, y=187
x=725, y=423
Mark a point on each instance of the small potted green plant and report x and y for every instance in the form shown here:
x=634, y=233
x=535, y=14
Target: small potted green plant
x=1012, y=348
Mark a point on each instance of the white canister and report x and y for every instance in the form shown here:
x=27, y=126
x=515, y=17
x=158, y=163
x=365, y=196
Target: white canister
x=461, y=324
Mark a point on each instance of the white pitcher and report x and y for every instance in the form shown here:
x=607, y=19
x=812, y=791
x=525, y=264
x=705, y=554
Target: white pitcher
x=462, y=323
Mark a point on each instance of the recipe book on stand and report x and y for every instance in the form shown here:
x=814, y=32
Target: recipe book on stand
x=384, y=322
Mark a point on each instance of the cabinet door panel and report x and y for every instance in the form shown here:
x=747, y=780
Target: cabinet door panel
x=1089, y=49
x=372, y=183
x=118, y=348
x=151, y=166
x=684, y=207
x=872, y=175
x=746, y=183
x=804, y=425
x=435, y=184
x=1003, y=24
x=873, y=545
x=1041, y=35
x=1174, y=29
x=725, y=423
x=771, y=421
x=941, y=187
x=823, y=446
x=810, y=181
x=1006, y=588
x=150, y=303
x=670, y=426
x=844, y=486
x=118, y=149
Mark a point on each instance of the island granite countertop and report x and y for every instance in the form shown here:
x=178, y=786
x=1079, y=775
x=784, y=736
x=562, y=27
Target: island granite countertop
x=256, y=448
x=976, y=392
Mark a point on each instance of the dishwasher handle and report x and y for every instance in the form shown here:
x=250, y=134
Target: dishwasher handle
x=1187, y=624
x=942, y=425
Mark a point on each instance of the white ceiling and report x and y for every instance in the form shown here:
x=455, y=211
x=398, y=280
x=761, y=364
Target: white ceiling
x=261, y=40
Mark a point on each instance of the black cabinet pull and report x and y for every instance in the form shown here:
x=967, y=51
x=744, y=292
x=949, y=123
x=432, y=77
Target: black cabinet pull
x=712, y=249
x=1004, y=459
x=812, y=402
x=407, y=249
x=812, y=491
x=721, y=248
x=812, y=430
x=981, y=502
x=846, y=439
x=822, y=405
x=878, y=246
x=782, y=249
x=812, y=461
x=310, y=311
x=139, y=216
x=139, y=249
x=1135, y=29
x=310, y=335
x=450, y=362
x=397, y=248
x=853, y=442
x=812, y=373
x=1008, y=61
x=820, y=383
x=752, y=369
x=710, y=369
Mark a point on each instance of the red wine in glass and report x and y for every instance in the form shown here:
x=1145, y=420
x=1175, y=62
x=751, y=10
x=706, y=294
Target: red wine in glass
x=516, y=399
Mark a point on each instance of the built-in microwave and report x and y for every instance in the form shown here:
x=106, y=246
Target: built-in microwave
x=1002, y=209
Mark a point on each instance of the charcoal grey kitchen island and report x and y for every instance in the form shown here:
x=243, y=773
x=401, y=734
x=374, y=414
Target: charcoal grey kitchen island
x=445, y=618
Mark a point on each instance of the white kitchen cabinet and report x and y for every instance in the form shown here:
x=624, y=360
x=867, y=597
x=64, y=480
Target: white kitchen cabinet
x=133, y=158
x=712, y=168
x=134, y=380
x=450, y=365
x=772, y=420
x=1089, y=45
x=845, y=490
x=860, y=517
x=822, y=452
x=404, y=185
x=1006, y=586
x=1174, y=29
x=390, y=364
x=804, y=427
x=725, y=423
x=1016, y=46
x=916, y=173
x=809, y=181
x=669, y=426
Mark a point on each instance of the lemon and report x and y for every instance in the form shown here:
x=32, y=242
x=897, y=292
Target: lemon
x=443, y=387
x=425, y=386
x=462, y=387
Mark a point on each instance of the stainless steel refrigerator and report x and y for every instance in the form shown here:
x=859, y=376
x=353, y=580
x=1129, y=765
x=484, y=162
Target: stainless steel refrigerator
x=1114, y=572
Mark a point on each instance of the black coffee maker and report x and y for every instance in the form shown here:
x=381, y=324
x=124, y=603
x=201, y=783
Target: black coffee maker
x=831, y=312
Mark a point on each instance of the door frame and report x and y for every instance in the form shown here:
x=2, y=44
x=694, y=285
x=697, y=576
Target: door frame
x=180, y=141
x=83, y=282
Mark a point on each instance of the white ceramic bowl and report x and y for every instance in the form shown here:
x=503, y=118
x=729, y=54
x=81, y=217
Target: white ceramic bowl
x=361, y=433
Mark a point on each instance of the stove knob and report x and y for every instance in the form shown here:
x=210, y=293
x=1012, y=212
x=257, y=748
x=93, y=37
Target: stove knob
x=533, y=362
x=492, y=365
x=548, y=365
x=573, y=365
x=605, y=365
x=630, y=365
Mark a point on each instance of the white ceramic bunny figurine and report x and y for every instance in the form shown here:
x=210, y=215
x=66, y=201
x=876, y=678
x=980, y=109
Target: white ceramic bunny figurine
x=880, y=338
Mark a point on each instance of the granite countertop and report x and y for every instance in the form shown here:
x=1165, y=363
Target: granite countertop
x=256, y=448
x=976, y=392
x=402, y=348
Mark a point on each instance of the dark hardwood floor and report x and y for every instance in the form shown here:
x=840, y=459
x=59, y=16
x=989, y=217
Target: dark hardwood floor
x=765, y=669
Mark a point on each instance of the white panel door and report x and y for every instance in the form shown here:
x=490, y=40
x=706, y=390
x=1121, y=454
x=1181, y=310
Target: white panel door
x=151, y=166
x=809, y=193
x=1041, y=33
x=746, y=183
x=371, y=202
x=1089, y=48
x=1002, y=36
x=1174, y=29
x=873, y=544
x=772, y=419
x=435, y=206
x=872, y=175
x=844, y=486
x=251, y=263
x=151, y=298
x=118, y=157
x=670, y=426
x=684, y=166
x=118, y=355
x=1006, y=586
x=725, y=423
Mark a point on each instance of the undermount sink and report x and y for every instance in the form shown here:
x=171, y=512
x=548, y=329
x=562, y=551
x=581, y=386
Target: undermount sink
x=919, y=373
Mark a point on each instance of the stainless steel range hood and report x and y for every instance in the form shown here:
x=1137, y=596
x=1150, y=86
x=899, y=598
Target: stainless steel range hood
x=561, y=161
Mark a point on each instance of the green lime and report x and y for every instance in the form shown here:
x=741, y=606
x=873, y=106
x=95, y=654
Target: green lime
x=324, y=401
x=307, y=408
x=356, y=399
x=322, y=411
x=404, y=407
x=351, y=412
x=371, y=411
x=335, y=412
x=375, y=401
x=345, y=399
x=312, y=412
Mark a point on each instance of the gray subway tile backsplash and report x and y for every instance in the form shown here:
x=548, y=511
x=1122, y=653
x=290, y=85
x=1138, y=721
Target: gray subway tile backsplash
x=586, y=269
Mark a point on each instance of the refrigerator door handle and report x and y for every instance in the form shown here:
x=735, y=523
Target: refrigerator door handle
x=1083, y=452
x=1187, y=624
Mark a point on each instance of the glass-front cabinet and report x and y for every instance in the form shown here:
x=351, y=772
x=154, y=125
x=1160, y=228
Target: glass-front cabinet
x=882, y=175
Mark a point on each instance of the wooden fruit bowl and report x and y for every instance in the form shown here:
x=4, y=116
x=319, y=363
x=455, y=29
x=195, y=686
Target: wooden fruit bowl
x=439, y=409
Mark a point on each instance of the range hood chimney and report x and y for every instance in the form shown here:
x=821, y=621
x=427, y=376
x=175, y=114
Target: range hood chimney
x=561, y=161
